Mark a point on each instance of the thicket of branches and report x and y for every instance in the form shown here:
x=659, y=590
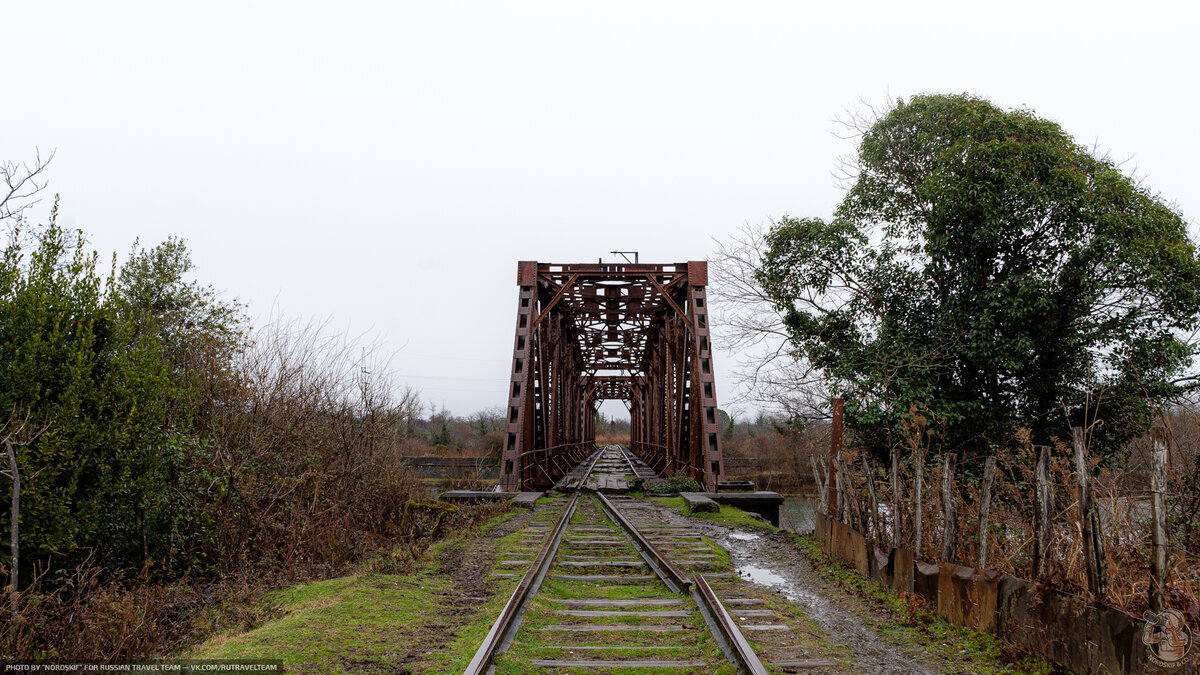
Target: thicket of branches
x=170, y=456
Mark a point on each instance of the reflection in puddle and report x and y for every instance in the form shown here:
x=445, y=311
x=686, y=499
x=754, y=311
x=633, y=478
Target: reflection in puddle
x=760, y=575
x=743, y=536
x=765, y=577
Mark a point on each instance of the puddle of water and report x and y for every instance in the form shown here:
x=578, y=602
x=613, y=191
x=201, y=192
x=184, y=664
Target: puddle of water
x=772, y=579
x=743, y=536
x=760, y=575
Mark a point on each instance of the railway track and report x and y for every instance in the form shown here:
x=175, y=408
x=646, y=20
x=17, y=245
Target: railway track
x=607, y=585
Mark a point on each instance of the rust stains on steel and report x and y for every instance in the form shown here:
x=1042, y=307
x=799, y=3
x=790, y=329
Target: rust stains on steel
x=590, y=332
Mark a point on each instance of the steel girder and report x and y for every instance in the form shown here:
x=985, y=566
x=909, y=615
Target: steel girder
x=592, y=332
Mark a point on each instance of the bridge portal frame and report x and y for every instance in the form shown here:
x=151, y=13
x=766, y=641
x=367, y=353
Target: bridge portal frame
x=588, y=332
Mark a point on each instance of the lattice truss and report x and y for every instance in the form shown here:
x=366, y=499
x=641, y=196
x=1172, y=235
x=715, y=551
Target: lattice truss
x=593, y=332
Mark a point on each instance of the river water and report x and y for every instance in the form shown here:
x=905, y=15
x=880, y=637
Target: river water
x=798, y=514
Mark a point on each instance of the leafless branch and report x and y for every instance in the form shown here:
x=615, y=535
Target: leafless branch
x=22, y=181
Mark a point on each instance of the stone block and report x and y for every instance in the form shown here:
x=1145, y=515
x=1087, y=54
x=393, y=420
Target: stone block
x=967, y=597
x=699, y=502
x=880, y=567
x=527, y=499
x=925, y=582
x=821, y=531
x=855, y=550
x=900, y=564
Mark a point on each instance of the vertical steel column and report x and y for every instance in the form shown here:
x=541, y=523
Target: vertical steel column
x=713, y=464
x=518, y=438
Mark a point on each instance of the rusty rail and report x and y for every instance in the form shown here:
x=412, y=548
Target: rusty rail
x=724, y=628
x=510, y=618
x=741, y=651
x=664, y=568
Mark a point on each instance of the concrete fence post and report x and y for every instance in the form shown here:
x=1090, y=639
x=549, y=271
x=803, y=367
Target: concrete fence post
x=897, y=515
x=1042, y=513
x=949, y=517
x=1158, y=513
x=985, y=503
x=918, y=488
x=1093, y=543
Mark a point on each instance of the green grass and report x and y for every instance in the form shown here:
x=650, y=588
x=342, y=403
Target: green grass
x=363, y=621
x=333, y=625
x=728, y=515
x=984, y=652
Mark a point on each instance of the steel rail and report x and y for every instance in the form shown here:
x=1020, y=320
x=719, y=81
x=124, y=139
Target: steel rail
x=662, y=566
x=588, y=473
x=628, y=462
x=510, y=618
x=746, y=660
x=722, y=625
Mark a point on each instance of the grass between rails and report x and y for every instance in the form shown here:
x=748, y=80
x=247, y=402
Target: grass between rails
x=538, y=640
x=806, y=640
x=900, y=618
x=368, y=621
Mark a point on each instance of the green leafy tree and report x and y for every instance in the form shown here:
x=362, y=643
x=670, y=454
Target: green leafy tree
x=195, y=329
x=184, y=316
x=92, y=480
x=986, y=267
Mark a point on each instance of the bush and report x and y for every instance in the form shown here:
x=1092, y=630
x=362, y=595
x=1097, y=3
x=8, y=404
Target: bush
x=675, y=484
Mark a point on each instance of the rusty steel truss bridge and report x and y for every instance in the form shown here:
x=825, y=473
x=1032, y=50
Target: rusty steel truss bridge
x=591, y=332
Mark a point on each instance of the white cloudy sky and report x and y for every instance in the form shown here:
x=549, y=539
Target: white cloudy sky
x=384, y=165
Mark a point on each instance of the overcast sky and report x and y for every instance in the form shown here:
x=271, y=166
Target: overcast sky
x=384, y=165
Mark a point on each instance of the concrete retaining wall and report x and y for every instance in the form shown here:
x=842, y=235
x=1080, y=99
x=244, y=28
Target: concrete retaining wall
x=1065, y=629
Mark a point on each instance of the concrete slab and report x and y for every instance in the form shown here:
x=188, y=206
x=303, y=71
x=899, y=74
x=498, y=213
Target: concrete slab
x=522, y=499
x=699, y=502
x=765, y=504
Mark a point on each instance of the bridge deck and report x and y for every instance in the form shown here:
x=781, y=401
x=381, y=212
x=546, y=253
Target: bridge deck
x=611, y=469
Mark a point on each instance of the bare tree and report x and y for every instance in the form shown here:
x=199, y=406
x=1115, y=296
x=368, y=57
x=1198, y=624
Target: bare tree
x=16, y=432
x=22, y=181
x=768, y=373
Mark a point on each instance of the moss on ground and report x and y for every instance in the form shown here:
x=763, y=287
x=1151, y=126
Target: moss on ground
x=368, y=621
x=728, y=515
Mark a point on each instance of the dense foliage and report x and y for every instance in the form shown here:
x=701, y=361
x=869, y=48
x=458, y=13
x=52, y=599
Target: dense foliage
x=985, y=267
x=73, y=362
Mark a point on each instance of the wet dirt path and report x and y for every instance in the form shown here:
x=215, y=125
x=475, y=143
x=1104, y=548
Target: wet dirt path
x=772, y=562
